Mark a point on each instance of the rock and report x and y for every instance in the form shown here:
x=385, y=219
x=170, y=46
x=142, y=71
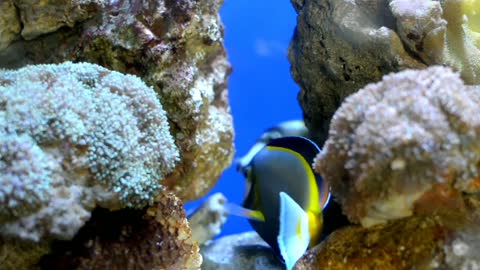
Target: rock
x=340, y=46
x=237, y=252
x=176, y=47
x=46, y=16
x=405, y=244
x=17, y=254
x=158, y=238
x=9, y=24
x=419, y=242
x=441, y=32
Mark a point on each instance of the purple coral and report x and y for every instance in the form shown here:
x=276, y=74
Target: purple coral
x=75, y=136
x=393, y=141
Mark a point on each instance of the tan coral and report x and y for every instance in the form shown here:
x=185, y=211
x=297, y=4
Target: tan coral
x=418, y=242
x=158, y=238
x=208, y=219
x=441, y=32
x=395, y=141
x=404, y=244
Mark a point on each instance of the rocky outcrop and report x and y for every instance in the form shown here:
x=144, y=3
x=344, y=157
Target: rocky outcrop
x=176, y=47
x=340, y=46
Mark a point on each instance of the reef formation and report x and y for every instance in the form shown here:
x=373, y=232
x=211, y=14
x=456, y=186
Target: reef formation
x=398, y=140
x=73, y=137
x=401, y=157
x=176, y=47
x=112, y=113
x=399, y=132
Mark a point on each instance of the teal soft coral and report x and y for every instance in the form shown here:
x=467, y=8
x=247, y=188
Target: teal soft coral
x=75, y=136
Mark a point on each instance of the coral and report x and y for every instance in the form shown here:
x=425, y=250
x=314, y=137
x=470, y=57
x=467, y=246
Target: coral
x=174, y=46
x=207, y=220
x=74, y=136
x=462, y=251
x=158, y=238
x=411, y=139
x=441, y=32
x=339, y=46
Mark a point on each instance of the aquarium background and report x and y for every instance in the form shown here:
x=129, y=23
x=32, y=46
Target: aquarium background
x=261, y=89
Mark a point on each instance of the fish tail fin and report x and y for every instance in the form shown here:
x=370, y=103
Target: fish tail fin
x=294, y=236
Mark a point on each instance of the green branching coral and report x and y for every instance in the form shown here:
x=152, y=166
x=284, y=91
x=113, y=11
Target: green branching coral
x=74, y=136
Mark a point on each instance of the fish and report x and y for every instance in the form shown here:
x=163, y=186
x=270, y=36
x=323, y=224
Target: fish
x=285, y=197
x=284, y=129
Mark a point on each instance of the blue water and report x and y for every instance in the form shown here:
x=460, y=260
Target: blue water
x=261, y=90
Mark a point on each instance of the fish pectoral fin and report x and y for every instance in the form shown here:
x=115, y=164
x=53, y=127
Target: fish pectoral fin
x=293, y=237
x=237, y=210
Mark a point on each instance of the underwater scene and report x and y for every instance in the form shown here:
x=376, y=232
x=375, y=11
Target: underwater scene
x=234, y=134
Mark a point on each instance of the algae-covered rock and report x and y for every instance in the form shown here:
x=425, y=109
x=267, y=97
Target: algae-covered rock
x=339, y=46
x=46, y=16
x=176, y=47
x=9, y=24
x=419, y=242
x=27, y=19
x=158, y=238
x=239, y=251
x=406, y=244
